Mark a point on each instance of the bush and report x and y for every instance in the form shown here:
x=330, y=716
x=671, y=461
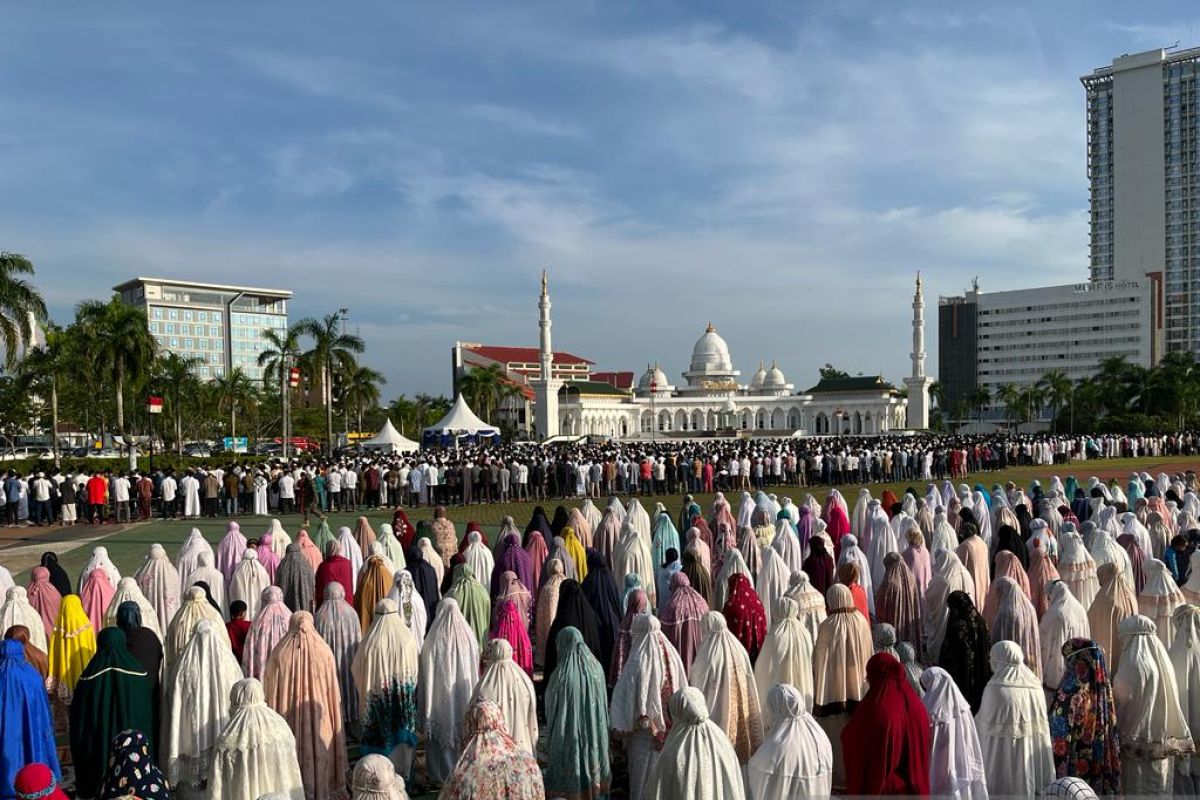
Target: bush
x=161, y=461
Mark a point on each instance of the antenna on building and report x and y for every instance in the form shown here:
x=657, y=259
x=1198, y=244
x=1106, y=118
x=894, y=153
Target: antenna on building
x=1173, y=47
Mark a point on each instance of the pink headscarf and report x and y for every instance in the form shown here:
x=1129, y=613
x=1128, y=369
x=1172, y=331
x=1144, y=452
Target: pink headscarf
x=535, y=545
x=511, y=627
x=681, y=618
x=229, y=551
x=267, y=556
x=309, y=549
x=44, y=598
x=637, y=604
x=268, y=628
x=96, y=595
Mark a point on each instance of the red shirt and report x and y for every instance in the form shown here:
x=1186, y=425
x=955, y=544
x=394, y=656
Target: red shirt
x=860, y=601
x=97, y=490
x=238, y=630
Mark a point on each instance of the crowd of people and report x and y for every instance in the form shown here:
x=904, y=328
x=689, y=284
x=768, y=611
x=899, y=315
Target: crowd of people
x=957, y=641
x=525, y=472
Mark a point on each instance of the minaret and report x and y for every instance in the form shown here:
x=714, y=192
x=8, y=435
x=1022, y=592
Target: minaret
x=918, y=383
x=546, y=386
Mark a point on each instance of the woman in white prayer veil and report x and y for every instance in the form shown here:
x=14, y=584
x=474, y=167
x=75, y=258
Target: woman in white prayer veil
x=796, y=758
x=1077, y=568
x=196, y=706
x=1013, y=726
x=1105, y=550
x=1185, y=659
x=205, y=572
x=786, y=657
x=1159, y=599
x=1154, y=730
x=853, y=554
x=882, y=541
x=614, y=504
x=256, y=751
x=433, y=558
x=279, y=538
x=249, y=580
x=337, y=623
x=1131, y=525
x=449, y=672
x=392, y=547
x=188, y=558
x=944, y=537
x=159, y=581
x=606, y=534
x=632, y=557
x=982, y=517
x=1191, y=587
x=723, y=672
x=787, y=544
x=385, y=674
x=1065, y=619
x=638, y=519
x=100, y=560
x=352, y=551
x=128, y=591
x=637, y=714
x=840, y=669
x=859, y=519
x=479, y=558
x=506, y=684
x=745, y=515
x=810, y=603
x=195, y=608
x=375, y=778
x=773, y=580
x=949, y=575
x=956, y=761
x=412, y=608
x=697, y=760
x=591, y=514
x=734, y=564
x=17, y=610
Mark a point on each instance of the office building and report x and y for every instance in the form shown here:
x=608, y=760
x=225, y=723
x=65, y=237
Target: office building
x=222, y=325
x=1015, y=337
x=1143, y=157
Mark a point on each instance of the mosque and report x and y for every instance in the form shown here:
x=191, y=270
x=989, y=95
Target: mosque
x=712, y=402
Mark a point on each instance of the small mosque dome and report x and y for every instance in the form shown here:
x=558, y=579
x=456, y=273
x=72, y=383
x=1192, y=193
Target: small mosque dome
x=774, y=378
x=653, y=375
x=760, y=377
x=711, y=354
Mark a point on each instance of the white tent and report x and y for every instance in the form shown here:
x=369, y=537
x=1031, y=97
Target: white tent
x=390, y=440
x=459, y=424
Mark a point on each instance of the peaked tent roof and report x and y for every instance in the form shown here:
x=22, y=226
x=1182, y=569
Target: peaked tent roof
x=391, y=440
x=461, y=418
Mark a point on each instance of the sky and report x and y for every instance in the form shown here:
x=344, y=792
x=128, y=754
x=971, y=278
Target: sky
x=780, y=169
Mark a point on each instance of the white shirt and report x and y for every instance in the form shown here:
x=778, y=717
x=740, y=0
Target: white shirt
x=286, y=486
x=41, y=489
x=168, y=488
x=121, y=490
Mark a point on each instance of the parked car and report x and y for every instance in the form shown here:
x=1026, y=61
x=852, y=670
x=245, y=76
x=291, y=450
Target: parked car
x=197, y=450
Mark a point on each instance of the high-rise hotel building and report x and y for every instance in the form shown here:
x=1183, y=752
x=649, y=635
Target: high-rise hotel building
x=222, y=325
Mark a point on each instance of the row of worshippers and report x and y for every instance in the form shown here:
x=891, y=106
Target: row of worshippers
x=566, y=602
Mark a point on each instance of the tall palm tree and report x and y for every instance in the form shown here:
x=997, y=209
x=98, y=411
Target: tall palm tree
x=232, y=389
x=1009, y=396
x=480, y=386
x=47, y=366
x=977, y=398
x=1058, y=389
x=122, y=345
x=275, y=361
x=21, y=305
x=361, y=389
x=331, y=348
x=175, y=376
x=1110, y=376
x=937, y=393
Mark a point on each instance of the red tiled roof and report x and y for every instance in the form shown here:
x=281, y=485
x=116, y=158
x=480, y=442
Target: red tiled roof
x=619, y=380
x=509, y=355
x=525, y=388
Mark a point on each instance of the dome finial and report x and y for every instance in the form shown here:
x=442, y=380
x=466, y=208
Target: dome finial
x=710, y=328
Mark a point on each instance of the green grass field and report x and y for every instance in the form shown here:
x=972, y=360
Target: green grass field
x=127, y=547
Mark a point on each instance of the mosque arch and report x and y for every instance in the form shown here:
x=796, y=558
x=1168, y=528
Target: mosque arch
x=821, y=423
x=794, y=418
x=698, y=420
x=778, y=419
x=647, y=422
x=664, y=421
x=858, y=422
x=681, y=420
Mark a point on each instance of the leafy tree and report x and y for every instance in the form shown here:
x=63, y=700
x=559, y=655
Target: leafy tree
x=21, y=305
x=45, y=368
x=977, y=398
x=231, y=391
x=121, y=343
x=361, y=390
x=175, y=376
x=830, y=372
x=331, y=348
x=1009, y=396
x=1058, y=391
x=480, y=386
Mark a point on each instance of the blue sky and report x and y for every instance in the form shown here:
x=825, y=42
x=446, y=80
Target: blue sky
x=781, y=169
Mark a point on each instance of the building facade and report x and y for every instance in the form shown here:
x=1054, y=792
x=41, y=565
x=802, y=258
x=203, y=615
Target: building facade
x=1143, y=157
x=221, y=325
x=1015, y=337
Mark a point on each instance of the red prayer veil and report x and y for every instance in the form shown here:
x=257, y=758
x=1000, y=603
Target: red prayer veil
x=886, y=743
x=744, y=614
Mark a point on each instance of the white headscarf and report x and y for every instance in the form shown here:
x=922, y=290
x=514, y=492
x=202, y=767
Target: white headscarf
x=337, y=623
x=810, y=604
x=796, y=758
x=433, y=558
x=387, y=652
x=841, y=651
x=352, y=551
x=787, y=544
x=256, y=752
x=1077, y=568
x=211, y=577
x=506, y=684
x=1065, y=619
x=723, y=672
x=279, y=538
x=196, y=706
x=1106, y=550
x=734, y=564
x=375, y=778
x=853, y=554
x=949, y=576
x=638, y=519
x=883, y=540
x=697, y=760
x=1146, y=694
x=189, y=552
x=786, y=657
x=17, y=610
x=1185, y=658
x=956, y=761
x=159, y=581
x=479, y=558
x=653, y=664
x=195, y=608
x=1013, y=726
x=449, y=671
x=249, y=580
x=410, y=605
x=101, y=561
x=129, y=591
x=632, y=557
x=1159, y=599
x=773, y=580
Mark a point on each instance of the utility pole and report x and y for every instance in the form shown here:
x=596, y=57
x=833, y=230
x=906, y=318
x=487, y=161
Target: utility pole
x=344, y=313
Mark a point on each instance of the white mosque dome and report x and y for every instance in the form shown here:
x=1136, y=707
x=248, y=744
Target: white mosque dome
x=774, y=378
x=760, y=377
x=711, y=354
x=653, y=375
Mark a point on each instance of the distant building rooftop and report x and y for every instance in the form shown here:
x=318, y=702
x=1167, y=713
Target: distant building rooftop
x=523, y=355
x=858, y=383
x=621, y=380
x=212, y=287
x=592, y=388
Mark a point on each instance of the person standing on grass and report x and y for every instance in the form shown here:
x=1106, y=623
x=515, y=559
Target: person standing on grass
x=120, y=493
x=144, y=489
x=39, y=493
x=169, y=487
x=97, y=497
